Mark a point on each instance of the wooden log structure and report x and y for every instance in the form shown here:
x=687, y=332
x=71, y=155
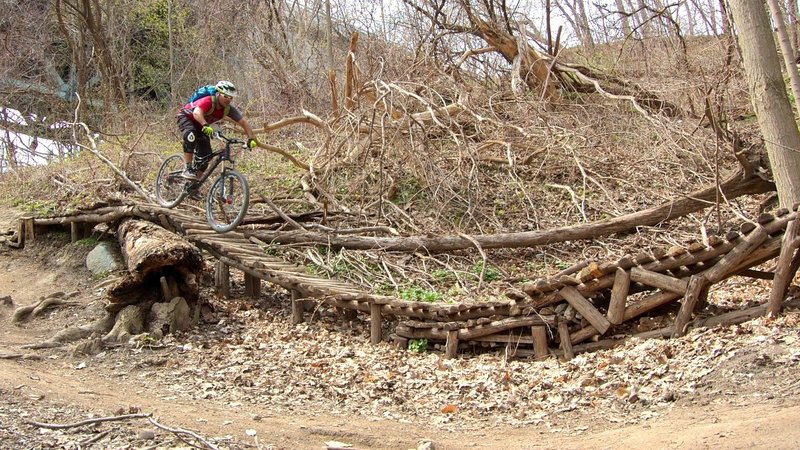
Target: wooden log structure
x=619, y=294
x=656, y=279
x=297, y=308
x=785, y=270
x=698, y=285
x=583, y=306
x=222, y=279
x=566, y=343
x=540, y=347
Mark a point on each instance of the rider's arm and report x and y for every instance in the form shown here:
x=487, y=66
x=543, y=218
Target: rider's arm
x=247, y=129
x=198, y=115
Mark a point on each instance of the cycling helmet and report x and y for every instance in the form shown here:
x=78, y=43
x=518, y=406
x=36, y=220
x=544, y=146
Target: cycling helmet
x=227, y=88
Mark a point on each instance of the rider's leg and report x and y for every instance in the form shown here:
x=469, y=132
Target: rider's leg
x=202, y=151
x=190, y=137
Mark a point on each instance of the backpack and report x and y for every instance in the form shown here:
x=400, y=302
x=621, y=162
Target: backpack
x=205, y=91
x=202, y=91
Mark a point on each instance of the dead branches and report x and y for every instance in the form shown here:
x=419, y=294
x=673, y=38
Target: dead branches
x=735, y=186
x=181, y=433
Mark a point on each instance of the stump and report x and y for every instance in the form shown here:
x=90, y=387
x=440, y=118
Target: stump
x=162, y=268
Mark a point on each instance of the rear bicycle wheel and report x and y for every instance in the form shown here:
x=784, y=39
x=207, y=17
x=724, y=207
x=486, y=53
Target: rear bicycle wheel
x=169, y=183
x=227, y=201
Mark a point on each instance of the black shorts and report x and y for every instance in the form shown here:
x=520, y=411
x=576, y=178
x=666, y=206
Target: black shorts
x=194, y=141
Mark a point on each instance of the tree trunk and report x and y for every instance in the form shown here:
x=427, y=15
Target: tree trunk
x=645, y=24
x=768, y=94
x=583, y=20
x=624, y=19
x=786, y=46
x=734, y=187
x=791, y=8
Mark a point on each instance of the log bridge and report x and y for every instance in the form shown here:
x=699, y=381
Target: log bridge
x=574, y=311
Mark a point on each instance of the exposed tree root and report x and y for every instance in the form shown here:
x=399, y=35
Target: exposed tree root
x=73, y=334
x=129, y=322
x=33, y=310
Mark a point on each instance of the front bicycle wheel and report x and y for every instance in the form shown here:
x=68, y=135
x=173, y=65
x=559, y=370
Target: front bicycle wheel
x=227, y=201
x=169, y=183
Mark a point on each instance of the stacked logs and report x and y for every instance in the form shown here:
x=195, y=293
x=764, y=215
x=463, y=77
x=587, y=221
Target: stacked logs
x=603, y=294
x=549, y=316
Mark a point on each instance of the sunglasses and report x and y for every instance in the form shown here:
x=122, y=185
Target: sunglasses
x=227, y=96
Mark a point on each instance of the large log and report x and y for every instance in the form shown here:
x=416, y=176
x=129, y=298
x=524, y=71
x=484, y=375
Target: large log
x=737, y=185
x=151, y=252
x=148, y=248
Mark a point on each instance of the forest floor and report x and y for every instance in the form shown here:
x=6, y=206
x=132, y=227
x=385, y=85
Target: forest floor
x=247, y=378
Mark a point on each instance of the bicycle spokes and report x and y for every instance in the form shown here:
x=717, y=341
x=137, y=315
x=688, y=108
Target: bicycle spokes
x=227, y=201
x=169, y=183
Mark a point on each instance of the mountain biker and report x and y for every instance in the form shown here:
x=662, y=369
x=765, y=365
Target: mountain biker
x=194, y=122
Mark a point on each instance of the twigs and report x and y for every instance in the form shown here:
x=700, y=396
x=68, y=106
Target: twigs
x=92, y=148
x=64, y=426
x=181, y=433
x=280, y=212
x=483, y=256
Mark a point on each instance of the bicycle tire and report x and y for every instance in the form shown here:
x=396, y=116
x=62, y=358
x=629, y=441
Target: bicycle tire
x=227, y=201
x=169, y=183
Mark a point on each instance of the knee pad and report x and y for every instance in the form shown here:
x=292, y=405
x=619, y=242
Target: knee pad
x=189, y=141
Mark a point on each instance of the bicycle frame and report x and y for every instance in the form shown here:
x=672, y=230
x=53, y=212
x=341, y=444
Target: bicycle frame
x=218, y=157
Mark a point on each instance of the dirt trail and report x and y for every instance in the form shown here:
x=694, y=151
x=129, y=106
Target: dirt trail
x=51, y=384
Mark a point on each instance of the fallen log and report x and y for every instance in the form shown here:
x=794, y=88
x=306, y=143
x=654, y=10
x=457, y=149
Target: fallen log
x=737, y=185
x=151, y=252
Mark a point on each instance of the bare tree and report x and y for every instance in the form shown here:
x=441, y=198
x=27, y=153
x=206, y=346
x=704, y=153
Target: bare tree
x=624, y=18
x=786, y=46
x=88, y=31
x=791, y=9
x=492, y=23
x=574, y=12
x=768, y=95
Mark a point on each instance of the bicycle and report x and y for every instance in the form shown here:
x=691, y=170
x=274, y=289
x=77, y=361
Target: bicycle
x=227, y=200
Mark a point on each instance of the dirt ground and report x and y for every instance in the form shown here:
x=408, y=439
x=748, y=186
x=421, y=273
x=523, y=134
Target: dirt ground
x=747, y=397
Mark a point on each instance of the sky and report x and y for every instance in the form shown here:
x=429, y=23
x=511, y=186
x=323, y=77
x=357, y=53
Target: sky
x=30, y=151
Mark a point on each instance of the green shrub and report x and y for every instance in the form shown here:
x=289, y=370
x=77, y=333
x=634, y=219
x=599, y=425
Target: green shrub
x=418, y=345
x=490, y=274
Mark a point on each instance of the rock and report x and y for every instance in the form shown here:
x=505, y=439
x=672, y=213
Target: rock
x=105, y=258
x=6, y=301
x=147, y=435
x=426, y=445
x=90, y=347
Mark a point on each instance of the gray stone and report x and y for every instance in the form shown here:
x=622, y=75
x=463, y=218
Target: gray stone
x=147, y=435
x=426, y=445
x=104, y=259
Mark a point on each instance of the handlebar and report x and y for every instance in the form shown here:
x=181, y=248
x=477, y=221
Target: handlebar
x=229, y=141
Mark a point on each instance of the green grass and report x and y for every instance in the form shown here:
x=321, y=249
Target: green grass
x=90, y=241
x=419, y=294
x=39, y=207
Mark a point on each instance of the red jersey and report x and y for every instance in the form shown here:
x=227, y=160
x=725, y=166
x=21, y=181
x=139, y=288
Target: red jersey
x=212, y=111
